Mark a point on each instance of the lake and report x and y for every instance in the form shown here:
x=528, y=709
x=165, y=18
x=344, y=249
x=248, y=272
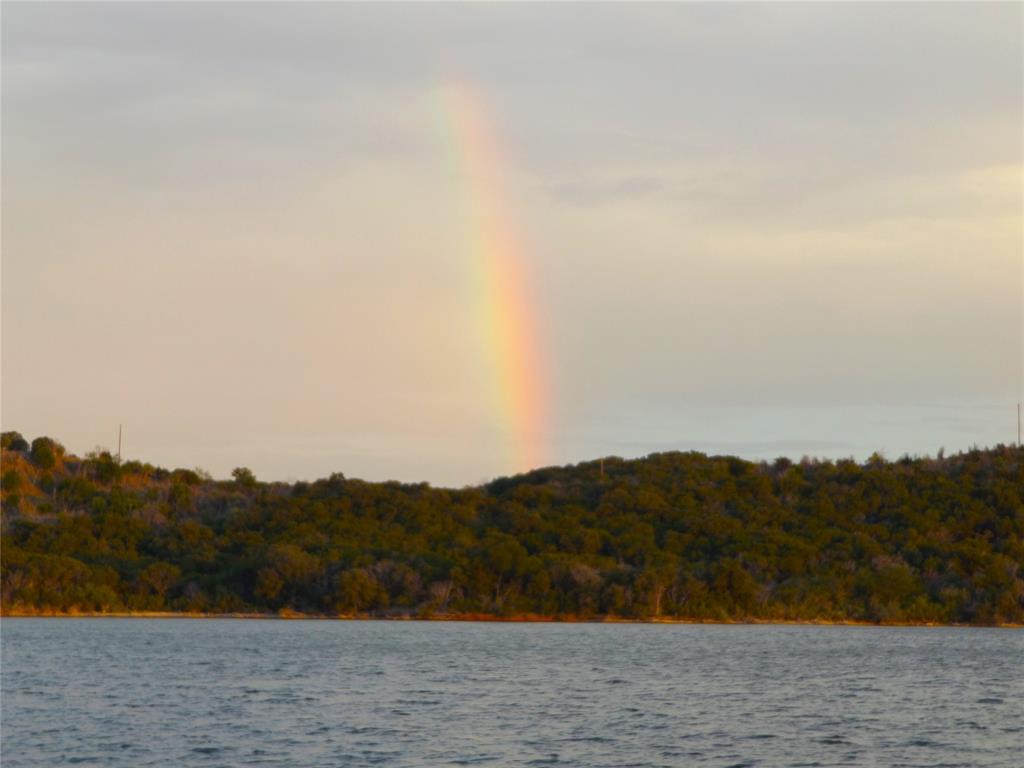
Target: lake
x=172, y=692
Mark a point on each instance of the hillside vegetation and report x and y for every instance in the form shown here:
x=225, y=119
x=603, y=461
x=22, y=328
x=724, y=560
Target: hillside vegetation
x=673, y=535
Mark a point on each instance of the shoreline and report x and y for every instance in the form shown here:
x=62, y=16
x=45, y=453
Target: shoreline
x=486, y=618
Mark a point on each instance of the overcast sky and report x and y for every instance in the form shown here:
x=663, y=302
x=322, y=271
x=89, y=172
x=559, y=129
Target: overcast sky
x=752, y=229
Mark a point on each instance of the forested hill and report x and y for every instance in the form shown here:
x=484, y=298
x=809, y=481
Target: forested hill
x=672, y=535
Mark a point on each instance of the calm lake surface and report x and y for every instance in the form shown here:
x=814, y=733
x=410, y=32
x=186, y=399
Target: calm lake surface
x=172, y=692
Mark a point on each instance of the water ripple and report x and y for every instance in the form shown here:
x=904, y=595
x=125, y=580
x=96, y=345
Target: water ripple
x=238, y=693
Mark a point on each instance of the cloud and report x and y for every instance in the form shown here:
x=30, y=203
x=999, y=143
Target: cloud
x=632, y=189
x=255, y=211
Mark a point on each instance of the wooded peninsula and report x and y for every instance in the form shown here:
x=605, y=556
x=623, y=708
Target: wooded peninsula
x=671, y=536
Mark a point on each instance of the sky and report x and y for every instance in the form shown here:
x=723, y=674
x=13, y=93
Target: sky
x=448, y=242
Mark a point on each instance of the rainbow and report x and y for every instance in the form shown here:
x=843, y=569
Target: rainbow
x=507, y=312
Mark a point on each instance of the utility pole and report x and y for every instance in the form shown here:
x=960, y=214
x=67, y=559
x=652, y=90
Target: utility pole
x=1018, y=425
x=118, y=443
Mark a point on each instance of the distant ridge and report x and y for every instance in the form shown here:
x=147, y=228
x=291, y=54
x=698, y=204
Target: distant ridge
x=673, y=536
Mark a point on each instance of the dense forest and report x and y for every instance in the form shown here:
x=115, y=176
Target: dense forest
x=672, y=535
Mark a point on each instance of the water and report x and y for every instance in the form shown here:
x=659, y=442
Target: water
x=140, y=692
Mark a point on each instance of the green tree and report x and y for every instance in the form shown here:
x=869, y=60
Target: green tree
x=45, y=452
x=13, y=441
x=244, y=477
x=357, y=591
x=11, y=481
x=160, y=578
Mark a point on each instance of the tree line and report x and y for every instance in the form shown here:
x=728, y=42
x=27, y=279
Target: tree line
x=672, y=535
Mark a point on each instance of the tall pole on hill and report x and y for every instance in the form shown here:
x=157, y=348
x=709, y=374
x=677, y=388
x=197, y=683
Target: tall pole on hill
x=118, y=443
